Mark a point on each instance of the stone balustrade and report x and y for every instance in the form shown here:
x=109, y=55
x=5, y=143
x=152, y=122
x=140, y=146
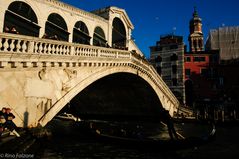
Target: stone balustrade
x=12, y=43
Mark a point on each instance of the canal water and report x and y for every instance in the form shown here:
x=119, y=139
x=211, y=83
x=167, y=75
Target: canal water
x=68, y=141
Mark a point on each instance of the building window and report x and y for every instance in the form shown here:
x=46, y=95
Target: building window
x=174, y=47
x=175, y=81
x=158, y=48
x=187, y=72
x=188, y=59
x=221, y=81
x=195, y=44
x=158, y=68
x=158, y=59
x=199, y=59
x=214, y=73
x=174, y=57
x=213, y=59
x=200, y=43
x=204, y=72
x=174, y=69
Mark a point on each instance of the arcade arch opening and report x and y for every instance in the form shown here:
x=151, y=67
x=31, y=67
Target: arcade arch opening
x=56, y=27
x=22, y=18
x=81, y=33
x=118, y=34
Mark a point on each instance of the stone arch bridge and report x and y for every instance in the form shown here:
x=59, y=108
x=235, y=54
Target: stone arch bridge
x=38, y=76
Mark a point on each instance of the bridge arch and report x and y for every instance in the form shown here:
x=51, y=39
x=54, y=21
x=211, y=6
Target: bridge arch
x=117, y=95
x=91, y=79
x=21, y=15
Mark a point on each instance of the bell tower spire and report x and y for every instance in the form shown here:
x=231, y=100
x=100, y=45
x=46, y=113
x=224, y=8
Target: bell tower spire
x=196, y=35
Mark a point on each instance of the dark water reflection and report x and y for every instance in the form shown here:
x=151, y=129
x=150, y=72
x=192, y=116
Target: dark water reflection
x=68, y=142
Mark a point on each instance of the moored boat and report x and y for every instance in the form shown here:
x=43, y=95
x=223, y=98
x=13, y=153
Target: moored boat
x=67, y=116
x=140, y=141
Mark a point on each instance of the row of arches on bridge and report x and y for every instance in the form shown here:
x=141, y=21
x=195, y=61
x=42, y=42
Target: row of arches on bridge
x=22, y=16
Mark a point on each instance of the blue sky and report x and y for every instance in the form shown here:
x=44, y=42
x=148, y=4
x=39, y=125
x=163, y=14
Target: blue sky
x=152, y=18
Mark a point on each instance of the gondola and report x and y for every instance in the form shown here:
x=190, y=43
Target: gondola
x=67, y=116
x=158, y=144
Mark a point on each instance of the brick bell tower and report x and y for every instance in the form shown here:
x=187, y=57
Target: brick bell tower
x=196, y=35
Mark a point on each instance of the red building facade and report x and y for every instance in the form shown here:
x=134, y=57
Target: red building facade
x=200, y=76
x=211, y=76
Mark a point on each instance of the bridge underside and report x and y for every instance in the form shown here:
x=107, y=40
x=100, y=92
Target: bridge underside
x=120, y=96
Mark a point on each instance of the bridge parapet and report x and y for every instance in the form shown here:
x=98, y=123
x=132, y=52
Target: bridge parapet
x=12, y=43
x=19, y=51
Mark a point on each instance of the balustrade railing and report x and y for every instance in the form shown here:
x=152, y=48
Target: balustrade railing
x=12, y=43
x=51, y=47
